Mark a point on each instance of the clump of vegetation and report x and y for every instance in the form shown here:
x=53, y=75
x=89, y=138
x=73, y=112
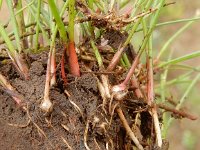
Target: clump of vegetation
x=95, y=37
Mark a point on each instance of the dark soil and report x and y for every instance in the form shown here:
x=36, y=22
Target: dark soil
x=77, y=120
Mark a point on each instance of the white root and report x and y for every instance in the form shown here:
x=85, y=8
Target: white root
x=76, y=107
x=157, y=127
x=65, y=141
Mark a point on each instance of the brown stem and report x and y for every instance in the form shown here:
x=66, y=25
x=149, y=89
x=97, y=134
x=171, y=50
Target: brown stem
x=150, y=92
x=169, y=99
x=179, y=112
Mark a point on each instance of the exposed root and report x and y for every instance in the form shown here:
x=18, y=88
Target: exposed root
x=157, y=126
x=128, y=129
x=74, y=104
x=20, y=126
x=39, y=129
x=65, y=141
x=85, y=136
x=48, y=121
x=102, y=93
x=65, y=127
x=96, y=143
x=110, y=104
x=112, y=113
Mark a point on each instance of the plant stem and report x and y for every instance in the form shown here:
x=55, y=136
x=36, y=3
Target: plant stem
x=53, y=51
x=58, y=19
x=15, y=25
x=38, y=22
x=21, y=25
x=18, y=61
x=123, y=85
x=10, y=90
x=73, y=60
x=97, y=54
x=46, y=104
x=118, y=54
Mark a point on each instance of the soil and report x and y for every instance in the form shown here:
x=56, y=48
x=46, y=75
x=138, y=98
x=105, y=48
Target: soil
x=77, y=117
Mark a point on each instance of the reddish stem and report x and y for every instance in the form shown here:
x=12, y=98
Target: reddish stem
x=123, y=85
x=135, y=85
x=63, y=75
x=73, y=60
x=132, y=69
x=115, y=59
x=150, y=99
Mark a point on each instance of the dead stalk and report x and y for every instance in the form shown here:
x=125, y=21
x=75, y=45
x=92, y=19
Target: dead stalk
x=128, y=129
x=35, y=124
x=105, y=82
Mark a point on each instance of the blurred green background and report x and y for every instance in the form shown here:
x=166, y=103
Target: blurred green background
x=183, y=134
